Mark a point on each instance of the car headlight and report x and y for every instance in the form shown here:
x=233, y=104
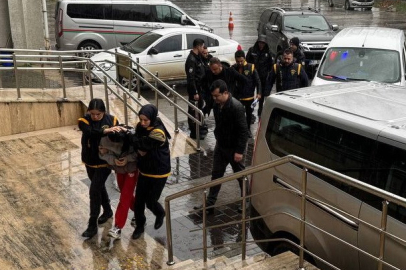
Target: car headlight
x=206, y=28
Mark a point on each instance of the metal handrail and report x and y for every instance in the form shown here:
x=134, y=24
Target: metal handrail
x=62, y=61
x=306, y=165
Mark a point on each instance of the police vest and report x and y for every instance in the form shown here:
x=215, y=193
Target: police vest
x=287, y=77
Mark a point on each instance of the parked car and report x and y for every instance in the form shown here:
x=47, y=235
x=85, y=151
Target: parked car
x=279, y=25
x=105, y=24
x=364, y=54
x=165, y=51
x=351, y=4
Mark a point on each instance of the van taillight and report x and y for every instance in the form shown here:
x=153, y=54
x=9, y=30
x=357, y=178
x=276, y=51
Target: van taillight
x=60, y=22
x=239, y=47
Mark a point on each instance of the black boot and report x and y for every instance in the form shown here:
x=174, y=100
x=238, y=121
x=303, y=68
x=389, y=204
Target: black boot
x=91, y=228
x=105, y=216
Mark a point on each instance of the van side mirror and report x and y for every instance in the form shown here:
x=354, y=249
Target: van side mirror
x=152, y=51
x=334, y=27
x=184, y=20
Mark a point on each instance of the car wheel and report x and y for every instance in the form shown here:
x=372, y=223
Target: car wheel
x=124, y=82
x=88, y=46
x=330, y=3
x=347, y=5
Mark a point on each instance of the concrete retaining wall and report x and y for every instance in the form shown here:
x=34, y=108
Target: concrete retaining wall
x=20, y=116
x=5, y=34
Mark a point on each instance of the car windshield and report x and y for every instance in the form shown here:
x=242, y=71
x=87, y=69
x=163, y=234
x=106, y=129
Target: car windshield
x=305, y=23
x=350, y=64
x=141, y=43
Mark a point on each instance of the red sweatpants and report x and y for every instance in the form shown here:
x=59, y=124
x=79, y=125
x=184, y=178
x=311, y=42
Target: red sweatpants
x=126, y=182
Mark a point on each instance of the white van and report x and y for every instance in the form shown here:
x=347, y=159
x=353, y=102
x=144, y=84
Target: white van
x=364, y=54
x=105, y=24
x=357, y=129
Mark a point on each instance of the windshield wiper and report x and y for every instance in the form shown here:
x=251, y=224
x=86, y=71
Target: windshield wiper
x=291, y=27
x=356, y=79
x=312, y=27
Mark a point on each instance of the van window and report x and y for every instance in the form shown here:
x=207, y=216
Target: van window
x=167, y=14
x=130, y=12
x=208, y=41
x=170, y=44
x=89, y=11
x=351, y=154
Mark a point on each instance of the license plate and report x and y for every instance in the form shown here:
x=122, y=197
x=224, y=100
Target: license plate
x=364, y=4
x=314, y=62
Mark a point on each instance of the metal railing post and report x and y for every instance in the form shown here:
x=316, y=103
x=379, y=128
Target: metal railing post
x=175, y=111
x=384, y=220
x=106, y=94
x=243, y=224
x=89, y=74
x=42, y=72
x=169, y=244
x=16, y=77
x=204, y=226
x=83, y=73
x=125, y=108
x=156, y=91
x=303, y=218
x=197, y=127
x=62, y=77
x=138, y=79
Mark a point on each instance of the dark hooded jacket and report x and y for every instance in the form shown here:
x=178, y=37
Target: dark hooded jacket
x=261, y=59
x=154, y=140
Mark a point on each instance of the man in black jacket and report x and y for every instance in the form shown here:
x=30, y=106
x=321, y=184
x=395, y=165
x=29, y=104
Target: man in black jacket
x=246, y=94
x=287, y=75
x=260, y=56
x=231, y=133
x=217, y=71
x=195, y=70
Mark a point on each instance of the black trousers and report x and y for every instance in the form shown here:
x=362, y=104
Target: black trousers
x=98, y=193
x=221, y=158
x=248, y=110
x=147, y=194
x=263, y=96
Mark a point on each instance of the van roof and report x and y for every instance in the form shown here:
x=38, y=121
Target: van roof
x=375, y=106
x=369, y=37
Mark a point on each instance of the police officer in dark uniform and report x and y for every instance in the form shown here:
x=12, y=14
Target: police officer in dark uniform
x=260, y=56
x=288, y=74
x=195, y=71
x=246, y=93
x=298, y=54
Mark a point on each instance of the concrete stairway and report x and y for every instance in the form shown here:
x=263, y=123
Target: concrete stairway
x=261, y=261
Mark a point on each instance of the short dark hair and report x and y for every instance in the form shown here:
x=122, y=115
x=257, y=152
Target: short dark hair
x=220, y=84
x=288, y=51
x=239, y=53
x=198, y=42
x=214, y=60
x=96, y=104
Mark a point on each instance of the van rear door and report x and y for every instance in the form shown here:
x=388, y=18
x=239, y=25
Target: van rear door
x=131, y=21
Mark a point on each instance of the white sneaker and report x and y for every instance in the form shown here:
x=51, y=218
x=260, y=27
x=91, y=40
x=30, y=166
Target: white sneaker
x=115, y=233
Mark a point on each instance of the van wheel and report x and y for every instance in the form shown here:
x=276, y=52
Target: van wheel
x=88, y=46
x=347, y=5
x=330, y=3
